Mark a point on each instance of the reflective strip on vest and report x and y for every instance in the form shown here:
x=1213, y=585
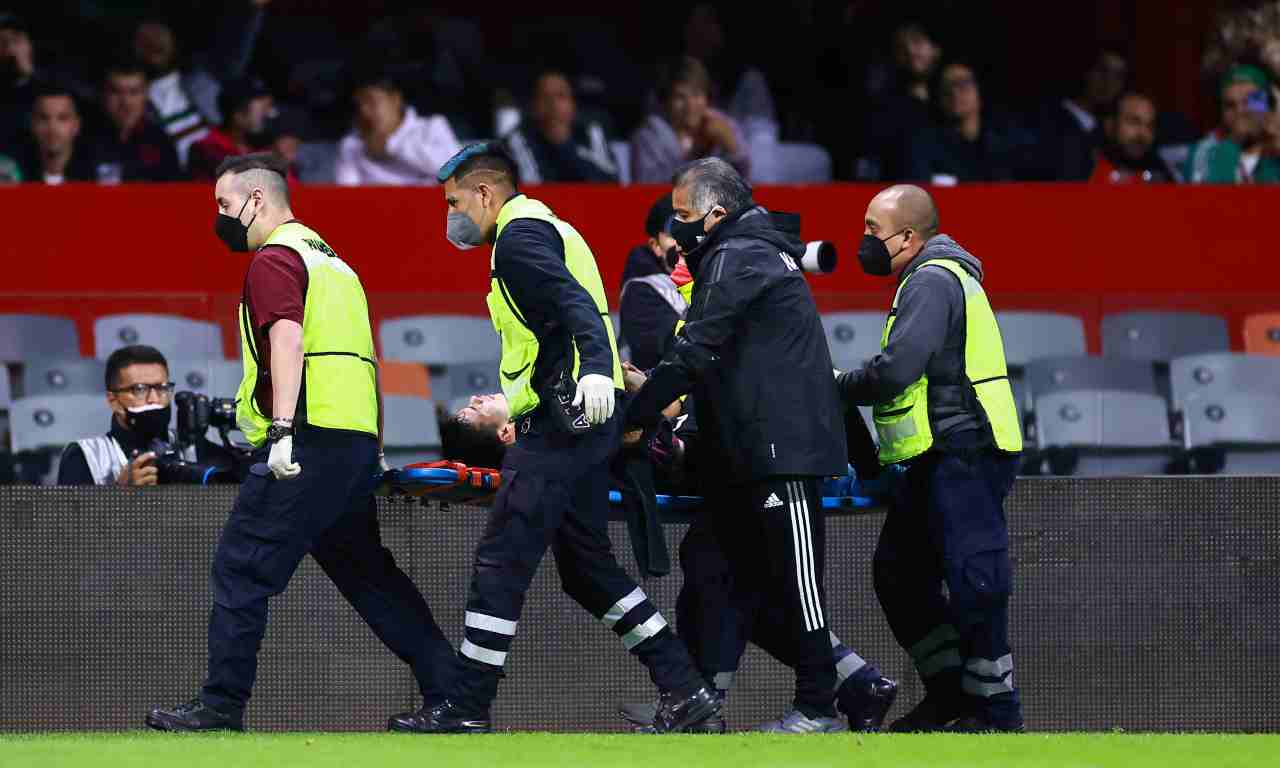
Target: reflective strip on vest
x=519, y=344
x=340, y=364
x=662, y=285
x=105, y=458
x=903, y=424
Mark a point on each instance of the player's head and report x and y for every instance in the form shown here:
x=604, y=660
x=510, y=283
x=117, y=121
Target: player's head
x=478, y=434
x=477, y=181
x=252, y=195
x=899, y=221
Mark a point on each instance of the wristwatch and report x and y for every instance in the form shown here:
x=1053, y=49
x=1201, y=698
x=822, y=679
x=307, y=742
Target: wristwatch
x=279, y=431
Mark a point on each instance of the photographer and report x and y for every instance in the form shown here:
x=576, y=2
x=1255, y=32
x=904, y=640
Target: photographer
x=140, y=396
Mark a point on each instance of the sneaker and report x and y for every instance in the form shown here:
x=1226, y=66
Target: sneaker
x=934, y=713
x=866, y=702
x=796, y=721
x=440, y=718
x=194, y=715
x=640, y=717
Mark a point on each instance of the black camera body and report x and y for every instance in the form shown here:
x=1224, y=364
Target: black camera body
x=196, y=414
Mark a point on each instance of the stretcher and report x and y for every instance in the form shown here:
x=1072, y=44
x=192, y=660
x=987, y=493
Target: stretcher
x=453, y=482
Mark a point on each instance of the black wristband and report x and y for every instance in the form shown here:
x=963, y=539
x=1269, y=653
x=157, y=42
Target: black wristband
x=278, y=432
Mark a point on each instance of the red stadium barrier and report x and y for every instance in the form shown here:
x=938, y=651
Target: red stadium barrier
x=84, y=250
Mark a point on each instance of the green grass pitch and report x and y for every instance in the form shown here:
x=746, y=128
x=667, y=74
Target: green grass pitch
x=534, y=750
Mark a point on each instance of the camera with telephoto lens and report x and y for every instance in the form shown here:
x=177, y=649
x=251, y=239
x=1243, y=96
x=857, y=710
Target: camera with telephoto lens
x=196, y=415
x=819, y=255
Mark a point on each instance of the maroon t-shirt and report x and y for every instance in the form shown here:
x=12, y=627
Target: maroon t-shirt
x=275, y=288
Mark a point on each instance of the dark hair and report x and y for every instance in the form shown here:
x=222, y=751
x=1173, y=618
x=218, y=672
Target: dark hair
x=472, y=445
x=138, y=354
x=47, y=88
x=684, y=70
x=713, y=182
x=1113, y=109
x=375, y=76
x=124, y=65
x=482, y=156
x=277, y=166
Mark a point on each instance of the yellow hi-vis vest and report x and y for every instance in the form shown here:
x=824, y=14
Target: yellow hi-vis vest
x=519, y=344
x=903, y=423
x=340, y=364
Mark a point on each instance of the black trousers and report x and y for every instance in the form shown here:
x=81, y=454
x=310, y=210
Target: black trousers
x=555, y=494
x=773, y=538
x=946, y=525
x=329, y=512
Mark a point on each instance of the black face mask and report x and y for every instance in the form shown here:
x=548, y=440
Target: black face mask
x=874, y=254
x=150, y=424
x=688, y=234
x=231, y=232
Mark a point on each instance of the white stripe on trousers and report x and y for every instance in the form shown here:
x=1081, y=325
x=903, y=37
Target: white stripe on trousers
x=806, y=580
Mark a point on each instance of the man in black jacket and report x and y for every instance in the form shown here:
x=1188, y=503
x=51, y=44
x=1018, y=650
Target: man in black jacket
x=651, y=304
x=755, y=358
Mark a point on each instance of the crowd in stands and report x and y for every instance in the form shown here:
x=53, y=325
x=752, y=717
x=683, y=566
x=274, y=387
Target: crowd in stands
x=389, y=109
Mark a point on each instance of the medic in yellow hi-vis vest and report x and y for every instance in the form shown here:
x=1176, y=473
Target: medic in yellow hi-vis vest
x=943, y=408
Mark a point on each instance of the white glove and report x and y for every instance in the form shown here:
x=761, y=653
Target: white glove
x=280, y=461
x=383, y=466
x=595, y=395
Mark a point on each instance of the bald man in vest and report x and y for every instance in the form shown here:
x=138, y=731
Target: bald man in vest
x=944, y=409
x=310, y=404
x=561, y=377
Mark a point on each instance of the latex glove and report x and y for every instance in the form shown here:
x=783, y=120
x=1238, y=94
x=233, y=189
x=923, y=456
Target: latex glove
x=383, y=466
x=595, y=395
x=280, y=460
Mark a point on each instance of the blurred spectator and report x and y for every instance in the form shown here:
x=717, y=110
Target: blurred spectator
x=245, y=104
x=55, y=152
x=905, y=96
x=650, y=304
x=132, y=141
x=742, y=89
x=283, y=133
x=1128, y=154
x=10, y=171
x=17, y=77
x=553, y=144
x=1233, y=153
x=392, y=143
x=968, y=143
x=686, y=129
x=1070, y=129
x=184, y=90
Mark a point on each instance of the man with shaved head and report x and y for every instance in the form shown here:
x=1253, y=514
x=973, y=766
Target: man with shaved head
x=944, y=409
x=310, y=404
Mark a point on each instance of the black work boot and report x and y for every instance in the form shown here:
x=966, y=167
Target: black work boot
x=439, y=718
x=194, y=715
x=678, y=712
x=866, y=702
x=641, y=718
x=934, y=713
x=985, y=723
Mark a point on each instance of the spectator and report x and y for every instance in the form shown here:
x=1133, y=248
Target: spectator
x=967, y=144
x=245, y=104
x=17, y=78
x=905, y=95
x=651, y=305
x=1127, y=156
x=131, y=142
x=391, y=142
x=55, y=152
x=554, y=144
x=686, y=129
x=184, y=92
x=741, y=88
x=1233, y=154
x=1070, y=129
x=283, y=134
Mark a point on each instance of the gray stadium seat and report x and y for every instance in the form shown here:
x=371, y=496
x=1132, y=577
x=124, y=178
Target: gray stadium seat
x=853, y=337
x=1162, y=336
x=1055, y=374
x=52, y=421
x=1029, y=336
x=28, y=337
x=411, y=432
x=440, y=339
x=6, y=394
x=1221, y=373
x=176, y=337
x=52, y=376
x=462, y=381
x=1103, y=432
x=622, y=158
x=1245, y=427
x=214, y=378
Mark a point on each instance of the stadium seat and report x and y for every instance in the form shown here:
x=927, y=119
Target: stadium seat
x=405, y=379
x=410, y=430
x=212, y=378
x=1242, y=429
x=1262, y=334
x=621, y=151
x=853, y=337
x=440, y=339
x=1055, y=374
x=176, y=337
x=1032, y=335
x=1222, y=373
x=52, y=421
x=1162, y=336
x=6, y=391
x=72, y=376
x=225, y=376
x=463, y=381
x=1103, y=432
x=29, y=337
